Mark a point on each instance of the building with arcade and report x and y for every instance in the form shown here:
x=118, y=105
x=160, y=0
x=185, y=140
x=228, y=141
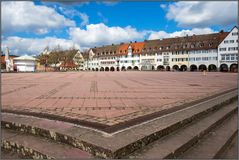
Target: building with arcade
x=210, y=52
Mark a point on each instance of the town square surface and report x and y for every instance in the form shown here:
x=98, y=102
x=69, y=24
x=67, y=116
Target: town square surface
x=107, y=98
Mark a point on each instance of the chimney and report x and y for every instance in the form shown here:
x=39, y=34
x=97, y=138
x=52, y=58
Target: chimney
x=221, y=31
x=112, y=44
x=135, y=41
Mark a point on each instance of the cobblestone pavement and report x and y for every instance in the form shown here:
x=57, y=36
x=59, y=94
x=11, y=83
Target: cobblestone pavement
x=108, y=98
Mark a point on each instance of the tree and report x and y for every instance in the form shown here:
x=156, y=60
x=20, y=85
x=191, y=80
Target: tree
x=54, y=57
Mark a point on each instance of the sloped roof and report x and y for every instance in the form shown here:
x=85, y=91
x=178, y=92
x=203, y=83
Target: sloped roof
x=194, y=42
x=107, y=50
x=137, y=47
x=25, y=57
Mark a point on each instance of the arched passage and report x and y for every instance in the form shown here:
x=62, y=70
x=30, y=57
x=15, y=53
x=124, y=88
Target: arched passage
x=193, y=67
x=234, y=67
x=112, y=69
x=212, y=68
x=123, y=68
x=102, y=69
x=202, y=67
x=93, y=69
x=175, y=67
x=136, y=68
x=160, y=68
x=223, y=68
x=168, y=68
x=107, y=69
x=118, y=69
x=183, y=68
x=97, y=69
x=129, y=68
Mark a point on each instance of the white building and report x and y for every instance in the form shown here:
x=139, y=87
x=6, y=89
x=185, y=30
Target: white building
x=25, y=63
x=228, y=52
x=210, y=52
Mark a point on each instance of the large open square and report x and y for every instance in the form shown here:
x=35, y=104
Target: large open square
x=100, y=99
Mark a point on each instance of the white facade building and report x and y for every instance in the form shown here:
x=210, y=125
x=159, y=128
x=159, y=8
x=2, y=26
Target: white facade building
x=228, y=52
x=25, y=63
x=210, y=52
x=202, y=60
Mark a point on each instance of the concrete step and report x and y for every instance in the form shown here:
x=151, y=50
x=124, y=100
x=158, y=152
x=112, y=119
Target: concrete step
x=5, y=154
x=231, y=152
x=30, y=146
x=213, y=144
x=117, y=144
x=179, y=141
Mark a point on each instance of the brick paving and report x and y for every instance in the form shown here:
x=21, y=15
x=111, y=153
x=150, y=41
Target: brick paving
x=108, y=98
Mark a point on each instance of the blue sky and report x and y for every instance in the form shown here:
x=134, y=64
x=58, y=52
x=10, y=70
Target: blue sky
x=28, y=27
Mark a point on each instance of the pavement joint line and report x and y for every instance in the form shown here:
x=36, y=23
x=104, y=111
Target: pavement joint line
x=181, y=110
x=105, y=134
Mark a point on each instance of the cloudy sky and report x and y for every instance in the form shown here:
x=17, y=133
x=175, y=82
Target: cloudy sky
x=28, y=27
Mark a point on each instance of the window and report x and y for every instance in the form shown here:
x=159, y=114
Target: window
x=198, y=59
x=232, y=48
x=231, y=41
x=222, y=49
x=234, y=33
x=226, y=41
x=223, y=57
x=232, y=57
x=227, y=57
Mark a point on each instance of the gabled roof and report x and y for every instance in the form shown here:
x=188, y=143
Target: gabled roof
x=122, y=48
x=137, y=47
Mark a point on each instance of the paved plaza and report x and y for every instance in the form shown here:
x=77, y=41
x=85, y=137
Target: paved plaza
x=107, y=98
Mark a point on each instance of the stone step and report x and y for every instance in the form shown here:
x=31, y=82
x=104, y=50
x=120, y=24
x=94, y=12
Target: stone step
x=120, y=143
x=30, y=146
x=213, y=144
x=5, y=154
x=231, y=152
x=179, y=141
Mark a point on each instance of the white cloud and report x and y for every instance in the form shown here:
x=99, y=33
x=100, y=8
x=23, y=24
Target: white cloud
x=34, y=46
x=28, y=17
x=69, y=12
x=104, y=20
x=163, y=6
x=203, y=14
x=108, y=3
x=85, y=19
x=99, y=34
x=163, y=34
